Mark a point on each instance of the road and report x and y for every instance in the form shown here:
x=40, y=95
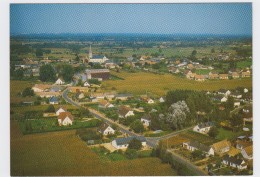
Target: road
x=151, y=141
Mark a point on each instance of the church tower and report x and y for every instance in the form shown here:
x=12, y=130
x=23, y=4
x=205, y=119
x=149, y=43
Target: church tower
x=90, y=53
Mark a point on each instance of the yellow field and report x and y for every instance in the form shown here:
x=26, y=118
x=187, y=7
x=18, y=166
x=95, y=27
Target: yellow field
x=140, y=82
x=62, y=153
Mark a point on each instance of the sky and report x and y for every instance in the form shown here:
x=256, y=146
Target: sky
x=223, y=18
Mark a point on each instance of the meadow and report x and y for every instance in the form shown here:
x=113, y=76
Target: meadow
x=160, y=84
x=63, y=153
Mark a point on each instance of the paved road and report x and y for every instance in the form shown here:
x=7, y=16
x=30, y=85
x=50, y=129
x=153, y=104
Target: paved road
x=151, y=141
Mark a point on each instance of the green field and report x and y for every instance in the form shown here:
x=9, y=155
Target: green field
x=64, y=154
x=140, y=82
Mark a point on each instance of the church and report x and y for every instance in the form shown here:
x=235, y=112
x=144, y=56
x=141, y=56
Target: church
x=96, y=58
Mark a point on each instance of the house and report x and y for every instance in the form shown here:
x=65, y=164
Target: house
x=220, y=98
x=59, y=81
x=224, y=92
x=213, y=76
x=247, y=152
x=223, y=76
x=100, y=74
x=123, y=96
x=41, y=87
x=86, y=84
x=203, y=127
x=60, y=110
x=236, y=95
x=56, y=88
x=235, y=75
x=122, y=143
x=146, y=120
x=105, y=104
x=236, y=104
x=65, y=118
x=80, y=95
x=106, y=129
x=221, y=147
x=242, y=144
x=54, y=100
x=173, y=70
x=189, y=74
x=125, y=112
x=47, y=94
x=195, y=145
x=161, y=100
x=234, y=162
x=150, y=101
x=199, y=77
x=245, y=74
x=245, y=90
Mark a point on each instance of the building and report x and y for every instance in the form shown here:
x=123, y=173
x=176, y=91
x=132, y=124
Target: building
x=235, y=75
x=161, y=100
x=199, y=77
x=54, y=100
x=223, y=76
x=106, y=129
x=60, y=110
x=105, y=104
x=245, y=74
x=47, y=94
x=96, y=58
x=59, y=81
x=146, y=120
x=247, y=152
x=123, y=97
x=234, y=162
x=41, y=87
x=65, y=118
x=203, y=127
x=195, y=145
x=221, y=147
x=125, y=112
x=100, y=74
x=122, y=143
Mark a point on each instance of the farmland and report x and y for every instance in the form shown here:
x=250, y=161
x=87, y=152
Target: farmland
x=160, y=84
x=44, y=154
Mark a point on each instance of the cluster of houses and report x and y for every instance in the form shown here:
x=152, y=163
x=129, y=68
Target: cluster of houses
x=65, y=118
x=213, y=75
x=234, y=156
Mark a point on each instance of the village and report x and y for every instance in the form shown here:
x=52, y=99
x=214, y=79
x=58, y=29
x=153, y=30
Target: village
x=125, y=124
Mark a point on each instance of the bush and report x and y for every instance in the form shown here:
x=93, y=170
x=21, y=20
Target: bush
x=131, y=153
x=27, y=92
x=135, y=144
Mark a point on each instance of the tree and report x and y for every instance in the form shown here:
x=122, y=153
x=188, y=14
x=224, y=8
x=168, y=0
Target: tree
x=137, y=126
x=135, y=144
x=212, y=50
x=47, y=73
x=27, y=92
x=77, y=59
x=213, y=132
x=19, y=74
x=236, y=121
x=177, y=114
x=39, y=52
x=84, y=112
x=67, y=72
x=194, y=53
x=50, y=108
x=131, y=153
x=197, y=154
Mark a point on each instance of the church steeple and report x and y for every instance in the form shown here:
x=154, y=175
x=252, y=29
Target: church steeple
x=90, y=52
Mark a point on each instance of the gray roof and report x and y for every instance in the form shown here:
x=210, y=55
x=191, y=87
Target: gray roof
x=234, y=160
x=206, y=124
x=199, y=146
x=122, y=141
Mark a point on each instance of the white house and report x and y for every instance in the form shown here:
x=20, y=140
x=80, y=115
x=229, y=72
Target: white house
x=59, y=81
x=122, y=143
x=234, y=162
x=86, y=84
x=161, y=100
x=203, y=127
x=195, y=145
x=150, y=101
x=236, y=104
x=247, y=152
x=245, y=90
x=65, y=118
x=106, y=129
x=125, y=112
x=146, y=120
x=60, y=110
x=41, y=87
x=224, y=99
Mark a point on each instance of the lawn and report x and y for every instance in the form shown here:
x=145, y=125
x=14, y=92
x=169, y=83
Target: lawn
x=51, y=124
x=244, y=64
x=228, y=134
x=64, y=154
x=16, y=87
x=140, y=82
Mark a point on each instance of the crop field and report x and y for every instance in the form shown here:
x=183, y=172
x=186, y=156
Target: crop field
x=62, y=153
x=140, y=82
x=174, y=141
x=17, y=87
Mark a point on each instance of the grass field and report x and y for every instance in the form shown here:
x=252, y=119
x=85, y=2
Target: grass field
x=63, y=154
x=140, y=82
